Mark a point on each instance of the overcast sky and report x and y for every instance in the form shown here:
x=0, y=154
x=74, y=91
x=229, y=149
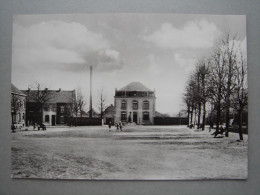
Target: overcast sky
x=158, y=50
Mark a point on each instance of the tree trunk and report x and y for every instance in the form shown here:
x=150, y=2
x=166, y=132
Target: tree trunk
x=218, y=116
x=199, y=114
x=204, y=116
x=188, y=115
x=227, y=121
x=240, y=125
x=191, y=117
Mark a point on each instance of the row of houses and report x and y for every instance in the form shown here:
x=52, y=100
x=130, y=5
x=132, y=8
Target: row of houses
x=51, y=107
x=134, y=103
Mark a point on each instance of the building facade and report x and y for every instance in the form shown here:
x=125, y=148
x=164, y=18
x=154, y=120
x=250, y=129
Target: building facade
x=109, y=115
x=134, y=103
x=50, y=107
x=18, y=109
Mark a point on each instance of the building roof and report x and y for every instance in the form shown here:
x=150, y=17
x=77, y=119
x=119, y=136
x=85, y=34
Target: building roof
x=54, y=96
x=94, y=113
x=135, y=86
x=16, y=91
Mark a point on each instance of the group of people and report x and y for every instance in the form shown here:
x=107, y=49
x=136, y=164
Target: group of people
x=117, y=125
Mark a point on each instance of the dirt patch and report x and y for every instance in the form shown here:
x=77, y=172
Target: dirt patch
x=141, y=153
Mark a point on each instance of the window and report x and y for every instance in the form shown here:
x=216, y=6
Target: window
x=47, y=118
x=146, y=116
x=62, y=119
x=53, y=108
x=135, y=105
x=123, y=104
x=62, y=109
x=123, y=116
x=19, y=119
x=146, y=105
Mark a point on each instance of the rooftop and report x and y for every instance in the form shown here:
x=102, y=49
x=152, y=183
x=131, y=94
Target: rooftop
x=54, y=96
x=16, y=91
x=135, y=86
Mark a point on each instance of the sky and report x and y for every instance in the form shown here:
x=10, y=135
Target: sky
x=158, y=50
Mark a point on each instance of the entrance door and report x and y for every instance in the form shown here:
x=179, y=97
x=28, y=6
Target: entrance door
x=53, y=120
x=135, y=117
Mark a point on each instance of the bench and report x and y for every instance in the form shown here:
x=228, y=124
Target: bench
x=41, y=126
x=220, y=132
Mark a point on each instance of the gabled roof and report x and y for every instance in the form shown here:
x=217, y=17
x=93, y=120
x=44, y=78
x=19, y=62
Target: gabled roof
x=135, y=86
x=16, y=91
x=54, y=96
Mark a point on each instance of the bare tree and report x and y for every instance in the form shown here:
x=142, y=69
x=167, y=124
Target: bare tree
x=230, y=58
x=102, y=102
x=189, y=98
x=203, y=71
x=239, y=100
x=38, y=98
x=80, y=101
x=217, y=85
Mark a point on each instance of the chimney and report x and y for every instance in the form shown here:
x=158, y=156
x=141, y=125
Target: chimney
x=90, y=98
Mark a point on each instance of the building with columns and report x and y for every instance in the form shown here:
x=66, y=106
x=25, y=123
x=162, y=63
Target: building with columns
x=135, y=103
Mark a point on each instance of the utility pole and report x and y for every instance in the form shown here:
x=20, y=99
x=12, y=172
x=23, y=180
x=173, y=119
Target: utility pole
x=90, y=98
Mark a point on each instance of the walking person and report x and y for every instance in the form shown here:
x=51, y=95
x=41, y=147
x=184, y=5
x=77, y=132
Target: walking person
x=120, y=125
x=117, y=127
x=109, y=126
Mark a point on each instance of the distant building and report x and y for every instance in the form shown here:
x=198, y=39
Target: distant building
x=51, y=107
x=18, y=109
x=134, y=103
x=109, y=115
x=86, y=114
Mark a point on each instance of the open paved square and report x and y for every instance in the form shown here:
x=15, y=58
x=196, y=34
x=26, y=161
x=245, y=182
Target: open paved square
x=139, y=152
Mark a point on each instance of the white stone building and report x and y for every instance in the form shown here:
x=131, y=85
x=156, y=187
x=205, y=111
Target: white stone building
x=135, y=103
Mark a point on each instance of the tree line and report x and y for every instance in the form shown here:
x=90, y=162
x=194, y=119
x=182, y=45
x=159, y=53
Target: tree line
x=218, y=84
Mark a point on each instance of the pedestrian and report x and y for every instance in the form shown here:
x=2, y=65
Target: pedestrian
x=34, y=126
x=109, y=126
x=117, y=127
x=120, y=125
x=210, y=125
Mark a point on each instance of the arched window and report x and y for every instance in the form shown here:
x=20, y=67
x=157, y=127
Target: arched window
x=146, y=105
x=123, y=104
x=135, y=105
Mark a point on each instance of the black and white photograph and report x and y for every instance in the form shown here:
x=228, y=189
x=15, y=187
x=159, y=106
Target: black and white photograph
x=128, y=96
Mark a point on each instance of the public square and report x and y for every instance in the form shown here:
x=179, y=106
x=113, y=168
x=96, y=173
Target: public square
x=136, y=153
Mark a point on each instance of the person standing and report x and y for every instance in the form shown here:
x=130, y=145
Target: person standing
x=109, y=126
x=120, y=125
x=210, y=125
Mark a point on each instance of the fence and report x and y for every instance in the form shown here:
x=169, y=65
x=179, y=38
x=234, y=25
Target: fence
x=171, y=121
x=85, y=121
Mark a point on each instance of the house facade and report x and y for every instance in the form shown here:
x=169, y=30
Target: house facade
x=51, y=107
x=18, y=109
x=134, y=103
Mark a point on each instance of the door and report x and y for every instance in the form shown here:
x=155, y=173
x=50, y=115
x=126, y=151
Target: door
x=135, y=117
x=53, y=120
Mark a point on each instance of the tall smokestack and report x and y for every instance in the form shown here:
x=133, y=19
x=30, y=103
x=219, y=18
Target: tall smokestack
x=90, y=98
